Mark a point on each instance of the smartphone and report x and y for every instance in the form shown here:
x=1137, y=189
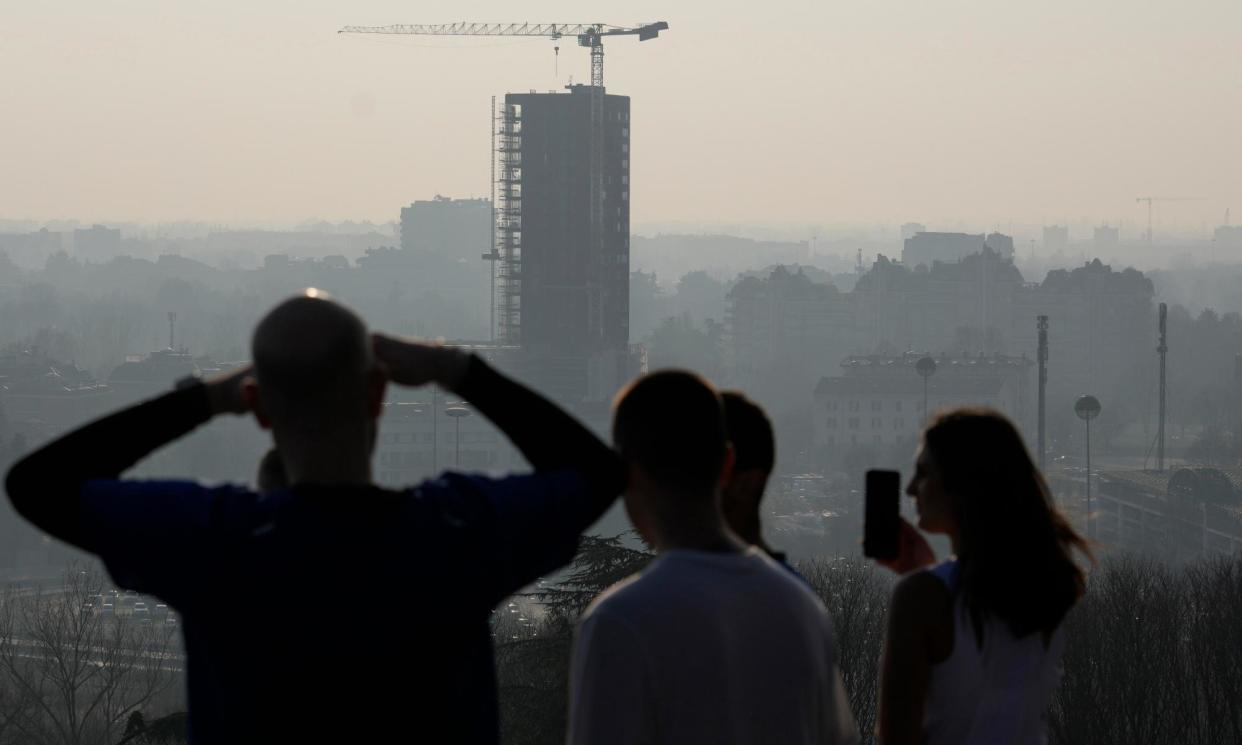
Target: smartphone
x=881, y=521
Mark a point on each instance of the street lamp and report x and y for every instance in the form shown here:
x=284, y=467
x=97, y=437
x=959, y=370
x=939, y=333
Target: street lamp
x=458, y=413
x=926, y=367
x=1088, y=408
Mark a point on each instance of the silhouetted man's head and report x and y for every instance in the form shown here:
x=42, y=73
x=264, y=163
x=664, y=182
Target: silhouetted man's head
x=669, y=430
x=754, y=455
x=315, y=375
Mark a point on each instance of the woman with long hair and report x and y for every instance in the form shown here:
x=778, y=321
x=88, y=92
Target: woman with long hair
x=973, y=647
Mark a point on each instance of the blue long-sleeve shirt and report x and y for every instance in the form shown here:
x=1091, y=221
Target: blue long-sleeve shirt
x=329, y=614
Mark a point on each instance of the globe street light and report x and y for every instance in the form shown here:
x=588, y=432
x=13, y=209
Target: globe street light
x=1088, y=408
x=926, y=367
x=458, y=413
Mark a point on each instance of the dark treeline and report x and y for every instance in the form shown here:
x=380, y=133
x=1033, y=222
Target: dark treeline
x=1153, y=654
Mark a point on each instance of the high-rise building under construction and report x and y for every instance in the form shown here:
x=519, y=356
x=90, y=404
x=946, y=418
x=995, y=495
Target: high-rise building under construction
x=563, y=222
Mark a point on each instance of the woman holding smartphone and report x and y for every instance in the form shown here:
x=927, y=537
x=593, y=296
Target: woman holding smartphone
x=973, y=647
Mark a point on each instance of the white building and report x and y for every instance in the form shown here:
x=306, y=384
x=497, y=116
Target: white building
x=878, y=401
x=97, y=242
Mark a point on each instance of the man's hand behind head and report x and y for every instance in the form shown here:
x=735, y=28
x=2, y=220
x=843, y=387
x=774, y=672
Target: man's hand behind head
x=413, y=363
x=226, y=391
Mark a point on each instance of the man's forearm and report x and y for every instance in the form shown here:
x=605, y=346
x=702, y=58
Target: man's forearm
x=45, y=485
x=547, y=436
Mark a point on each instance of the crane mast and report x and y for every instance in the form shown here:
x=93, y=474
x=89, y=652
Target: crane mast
x=1150, y=200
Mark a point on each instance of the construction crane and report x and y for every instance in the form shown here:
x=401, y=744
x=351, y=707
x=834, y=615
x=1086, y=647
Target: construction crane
x=589, y=35
x=1149, y=201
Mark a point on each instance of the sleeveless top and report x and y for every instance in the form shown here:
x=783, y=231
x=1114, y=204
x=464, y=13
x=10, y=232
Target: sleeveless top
x=995, y=694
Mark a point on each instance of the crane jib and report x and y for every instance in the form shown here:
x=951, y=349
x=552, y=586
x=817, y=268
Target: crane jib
x=588, y=34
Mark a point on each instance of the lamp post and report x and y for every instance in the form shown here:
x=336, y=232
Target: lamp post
x=1088, y=408
x=925, y=367
x=458, y=413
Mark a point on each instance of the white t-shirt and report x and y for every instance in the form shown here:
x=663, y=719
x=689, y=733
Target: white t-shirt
x=707, y=648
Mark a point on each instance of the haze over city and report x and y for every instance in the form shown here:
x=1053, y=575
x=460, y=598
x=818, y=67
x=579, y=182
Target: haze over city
x=784, y=116
x=721, y=373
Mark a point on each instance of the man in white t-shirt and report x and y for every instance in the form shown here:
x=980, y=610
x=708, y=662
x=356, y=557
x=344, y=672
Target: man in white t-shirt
x=714, y=642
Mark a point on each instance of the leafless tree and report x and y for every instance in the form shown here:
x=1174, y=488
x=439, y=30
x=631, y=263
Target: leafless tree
x=856, y=595
x=1153, y=654
x=71, y=674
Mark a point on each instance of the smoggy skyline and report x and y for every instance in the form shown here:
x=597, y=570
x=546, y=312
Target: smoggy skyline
x=774, y=113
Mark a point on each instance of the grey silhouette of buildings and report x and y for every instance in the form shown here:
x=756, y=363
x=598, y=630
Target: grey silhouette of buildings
x=1000, y=243
x=1228, y=237
x=1106, y=237
x=31, y=249
x=461, y=228
x=926, y=249
x=911, y=229
x=878, y=399
x=1056, y=237
x=97, y=242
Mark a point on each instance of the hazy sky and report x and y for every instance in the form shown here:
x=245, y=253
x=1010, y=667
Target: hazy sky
x=800, y=112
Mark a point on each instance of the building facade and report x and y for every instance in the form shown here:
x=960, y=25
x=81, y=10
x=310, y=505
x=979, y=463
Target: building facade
x=878, y=399
x=783, y=323
x=460, y=228
x=1228, y=238
x=911, y=229
x=1056, y=237
x=97, y=242
x=1105, y=237
x=574, y=267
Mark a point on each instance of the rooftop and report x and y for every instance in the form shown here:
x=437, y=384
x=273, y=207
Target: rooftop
x=966, y=363
x=912, y=385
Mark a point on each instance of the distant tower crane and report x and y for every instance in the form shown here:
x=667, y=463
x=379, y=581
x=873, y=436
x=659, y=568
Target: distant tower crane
x=1149, y=201
x=589, y=34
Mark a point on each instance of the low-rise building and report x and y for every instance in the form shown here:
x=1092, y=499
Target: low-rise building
x=926, y=249
x=1056, y=238
x=1228, y=237
x=1105, y=237
x=878, y=400
x=44, y=396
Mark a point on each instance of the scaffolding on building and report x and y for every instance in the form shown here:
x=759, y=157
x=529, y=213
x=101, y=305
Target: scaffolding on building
x=508, y=233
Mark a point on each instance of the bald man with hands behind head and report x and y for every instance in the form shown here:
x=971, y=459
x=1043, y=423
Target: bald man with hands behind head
x=329, y=609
